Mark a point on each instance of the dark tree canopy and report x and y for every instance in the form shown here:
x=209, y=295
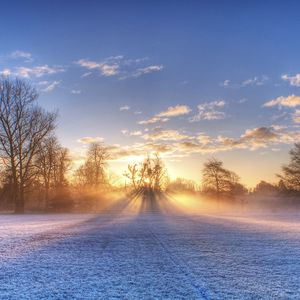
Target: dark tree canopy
x=23, y=126
x=291, y=172
x=218, y=181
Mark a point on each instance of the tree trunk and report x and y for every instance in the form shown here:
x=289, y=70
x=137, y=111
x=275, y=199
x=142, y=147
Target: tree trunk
x=20, y=203
x=46, y=196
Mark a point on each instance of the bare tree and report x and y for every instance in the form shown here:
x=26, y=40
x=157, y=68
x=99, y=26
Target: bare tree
x=219, y=181
x=92, y=173
x=52, y=162
x=45, y=163
x=291, y=172
x=62, y=165
x=23, y=126
x=150, y=175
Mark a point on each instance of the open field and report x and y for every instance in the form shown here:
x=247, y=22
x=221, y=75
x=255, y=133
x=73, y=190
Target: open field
x=146, y=250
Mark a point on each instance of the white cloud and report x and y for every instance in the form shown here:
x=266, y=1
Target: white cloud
x=135, y=133
x=21, y=54
x=38, y=71
x=289, y=101
x=243, y=100
x=131, y=133
x=293, y=80
x=211, y=105
x=88, y=64
x=90, y=140
x=204, y=139
x=153, y=120
x=5, y=72
x=164, y=135
x=76, y=92
x=210, y=111
x=296, y=116
x=172, y=143
x=49, y=86
x=109, y=70
x=125, y=131
x=106, y=69
x=225, y=83
x=118, y=66
x=147, y=70
x=164, y=116
x=174, y=111
x=129, y=61
x=87, y=74
x=124, y=108
x=208, y=115
x=257, y=80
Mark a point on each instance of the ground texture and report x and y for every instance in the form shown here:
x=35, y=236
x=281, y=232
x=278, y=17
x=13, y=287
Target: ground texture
x=146, y=251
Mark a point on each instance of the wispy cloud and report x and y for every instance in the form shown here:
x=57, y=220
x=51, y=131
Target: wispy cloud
x=5, y=72
x=75, y=92
x=21, y=54
x=254, y=81
x=118, y=66
x=38, y=71
x=164, y=135
x=226, y=83
x=296, y=116
x=131, y=133
x=289, y=101
x=147, y=70
x=48, y=86
x=124, y=108
x=171, y=143
x=174, y=111
x=90, y=140
x=106, y=69
x=86, y=74
x=241, y=101
x=164, y=116
x=257, y=80
x=210, y=111
x=293, y=80
x=153, y=120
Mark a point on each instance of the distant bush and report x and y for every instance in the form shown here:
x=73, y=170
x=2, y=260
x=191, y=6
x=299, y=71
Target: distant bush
x=181, y=185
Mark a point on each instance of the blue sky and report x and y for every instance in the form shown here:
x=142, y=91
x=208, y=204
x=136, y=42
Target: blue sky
x=191, y=78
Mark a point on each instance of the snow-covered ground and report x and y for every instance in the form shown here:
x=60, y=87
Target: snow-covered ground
x=150, y=251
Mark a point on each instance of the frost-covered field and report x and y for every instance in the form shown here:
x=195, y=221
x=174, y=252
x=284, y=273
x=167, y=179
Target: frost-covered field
x=135, y=254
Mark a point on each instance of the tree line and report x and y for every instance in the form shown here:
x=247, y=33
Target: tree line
x=37, y=171
x=35, y=167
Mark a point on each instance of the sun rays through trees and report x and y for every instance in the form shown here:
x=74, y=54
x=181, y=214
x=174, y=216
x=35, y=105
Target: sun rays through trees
x=38, y=173
x=149, y=176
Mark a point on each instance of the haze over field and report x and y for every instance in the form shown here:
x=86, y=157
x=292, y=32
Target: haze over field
x=155, y=251
x=149, y=149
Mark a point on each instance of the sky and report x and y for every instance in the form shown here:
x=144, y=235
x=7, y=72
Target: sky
x=190, y=79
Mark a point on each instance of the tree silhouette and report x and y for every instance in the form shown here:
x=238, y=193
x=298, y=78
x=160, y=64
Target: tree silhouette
x=291, y=172
x=52, y=162
x=148, y=176
x=23, y=126
x=92, y=173
x=218, y=181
